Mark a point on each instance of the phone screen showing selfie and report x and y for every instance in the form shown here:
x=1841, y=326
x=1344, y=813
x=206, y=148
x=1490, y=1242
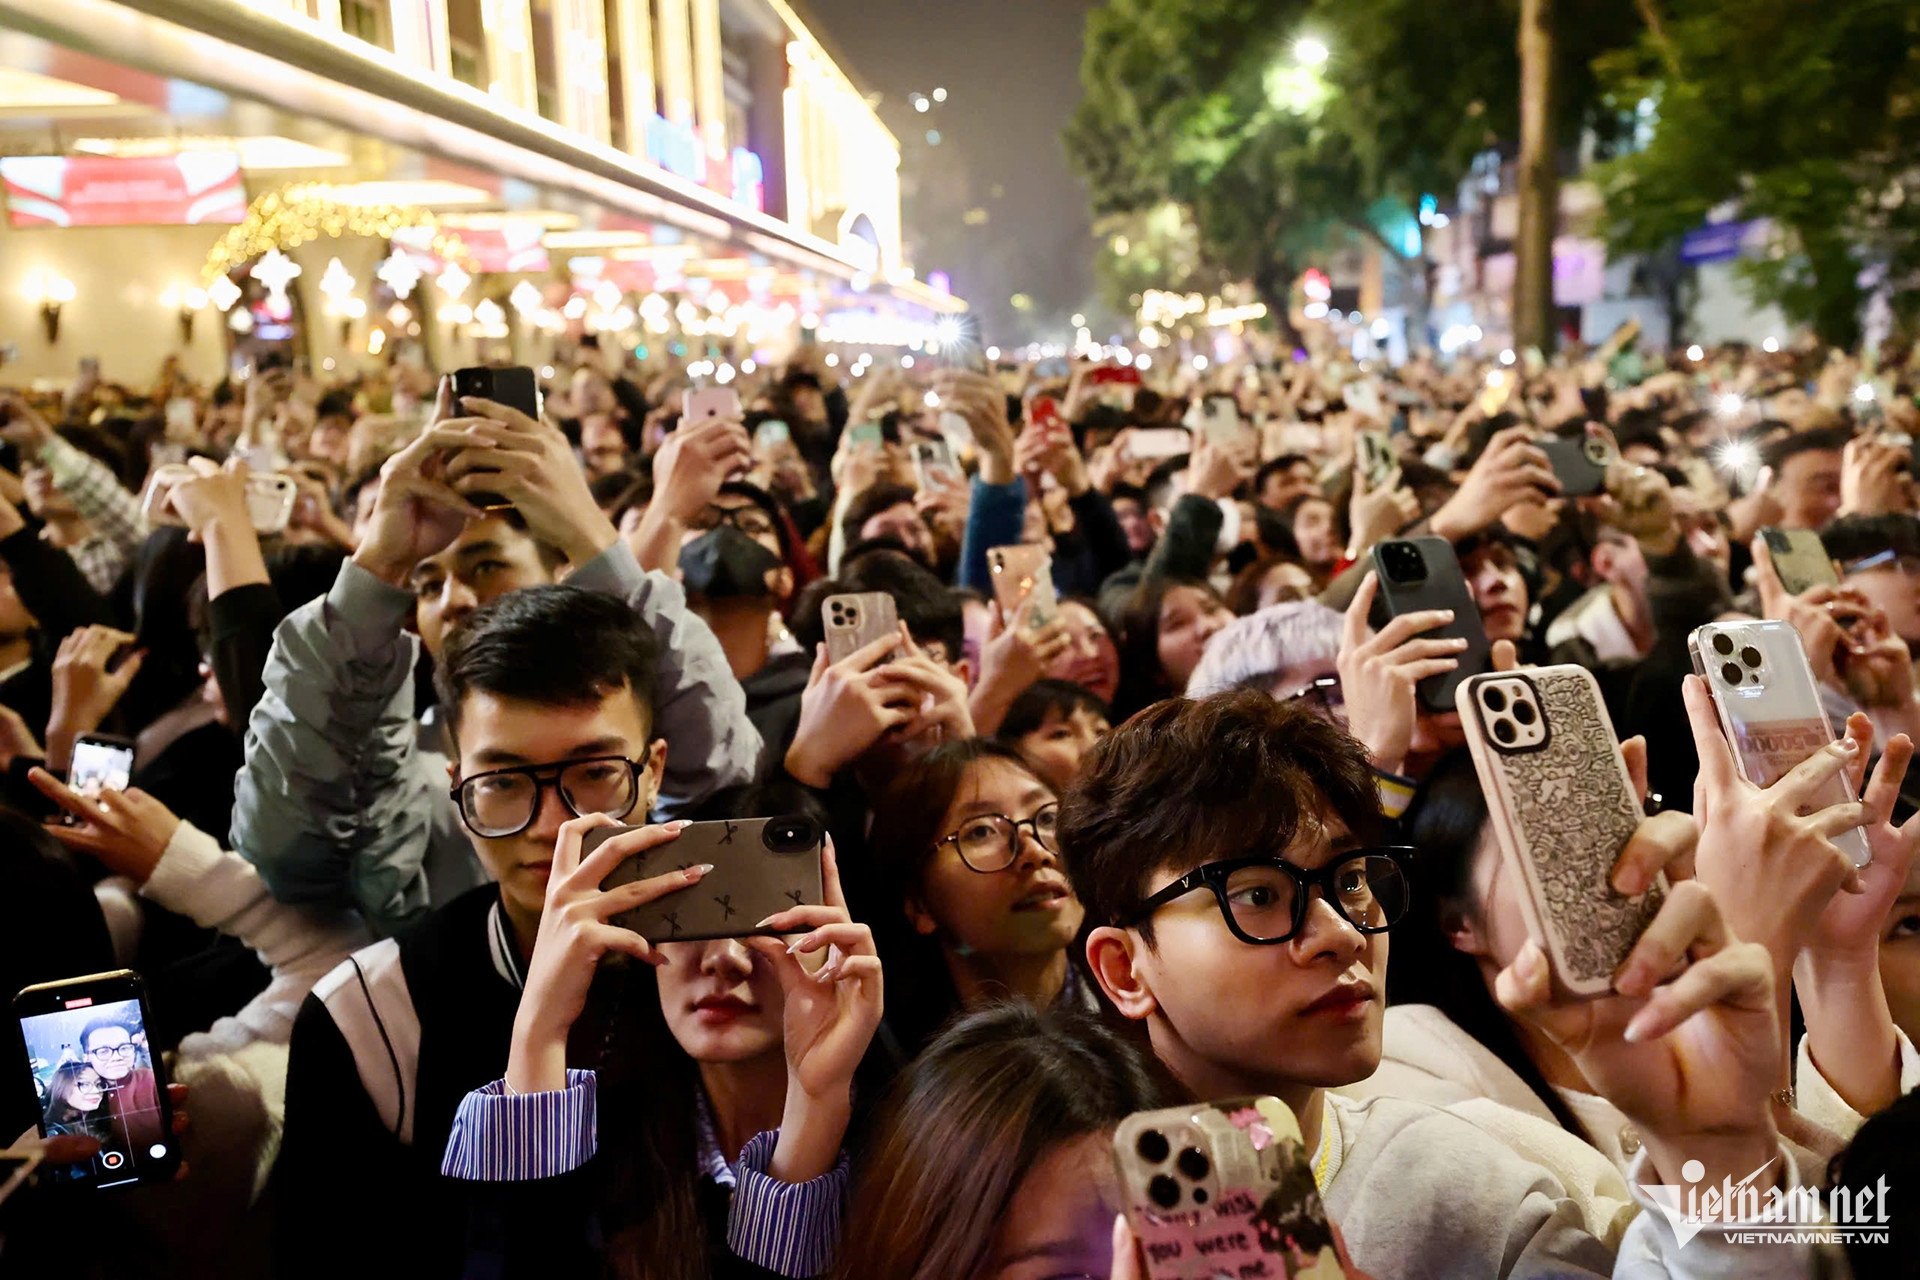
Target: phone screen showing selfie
x=94, y=1074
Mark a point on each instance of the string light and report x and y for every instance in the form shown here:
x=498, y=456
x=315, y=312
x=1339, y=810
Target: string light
x=301, y=213
x=399, y=273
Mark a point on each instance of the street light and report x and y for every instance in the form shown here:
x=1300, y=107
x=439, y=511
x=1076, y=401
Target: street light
x=1311, y=51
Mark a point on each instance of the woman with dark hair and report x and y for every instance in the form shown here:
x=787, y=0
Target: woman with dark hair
x=1053, y=724
x=1318, y=531
x=992, y=1156
x=74, y=1095
x=1162, y=630
x=964, y=838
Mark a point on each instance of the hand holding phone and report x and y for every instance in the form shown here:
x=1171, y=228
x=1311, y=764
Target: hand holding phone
x=760, y=868
x=853, y=621
x=1420, y=574
x=1021, y=574
x=95, y=1073
x=704, y=404
x=1800, y=559
x=513, y=386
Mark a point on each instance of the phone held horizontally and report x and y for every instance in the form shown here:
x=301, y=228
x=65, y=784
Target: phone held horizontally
x=1769, y=707
x=1563, y=807
x=761, y=867
x=95, y=1073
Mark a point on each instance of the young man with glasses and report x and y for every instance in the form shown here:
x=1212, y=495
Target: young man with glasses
x=132, y=1093
x=342, y=800
x=1231, y=857
x=549, y=695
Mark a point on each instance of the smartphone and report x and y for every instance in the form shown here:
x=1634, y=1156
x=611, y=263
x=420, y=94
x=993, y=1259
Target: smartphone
x=101, y=762
x=1423, y=573
x=94, y=1073
x=1800, y=559
x=1223, y=1189
x=1022, y=573
x=1218, y=418
x=1769, y=707
x=270, y=497
x=855, y=621
x=1160, y=442
x=1363, y=396
x=182, y=416
x=771, y=432
x=1579, y=465
x=1117, y=385
x=866, y=433
x=16, y=1166
x=932, y=458
x=707, y=403
x=1044, y=413
x=1378, y=462
x=513, y=386
x=1563, y=807
x=760, y=866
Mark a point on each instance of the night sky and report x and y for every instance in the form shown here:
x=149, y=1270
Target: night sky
x=1011, y=70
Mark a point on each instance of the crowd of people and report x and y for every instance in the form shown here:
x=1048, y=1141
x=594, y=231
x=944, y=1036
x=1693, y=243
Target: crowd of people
x=1143, y=846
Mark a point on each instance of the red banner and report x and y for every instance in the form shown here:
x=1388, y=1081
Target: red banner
x=191, y=188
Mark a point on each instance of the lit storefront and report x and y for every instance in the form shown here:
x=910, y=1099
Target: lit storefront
x=473, y=178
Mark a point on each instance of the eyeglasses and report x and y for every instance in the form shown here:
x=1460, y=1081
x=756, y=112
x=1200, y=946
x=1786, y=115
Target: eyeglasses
x=1264, y=899
x=111, y=1051
x=1323, y=692
x=751, y=521
x=990, y=842
x=503, y=802
x=1906, y=564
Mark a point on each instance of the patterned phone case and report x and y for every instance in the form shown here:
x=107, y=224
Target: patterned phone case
x=856, y=621
x=1020, y=573
x=1563, y=807
x=1224, y=1189
x=1769, y=708
x=761, y=866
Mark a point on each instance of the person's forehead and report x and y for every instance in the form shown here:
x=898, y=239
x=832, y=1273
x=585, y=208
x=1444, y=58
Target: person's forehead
x=111, y=1035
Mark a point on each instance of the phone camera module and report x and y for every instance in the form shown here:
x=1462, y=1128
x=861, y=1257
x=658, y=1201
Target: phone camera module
x=1524, y=712
x=1403, y=563
x=1153, y=1147
x=789, y=835
x=1722, y=644
x=1493, y=699
x=1193, y=1163
x=1504, y=731
x=1732, y=673
x=1164, y=1191
x=1777, y=541
x=1750, y=656
x=1598, y=453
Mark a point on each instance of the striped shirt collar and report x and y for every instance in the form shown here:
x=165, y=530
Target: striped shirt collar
x=506, y=953
x=712, y=1161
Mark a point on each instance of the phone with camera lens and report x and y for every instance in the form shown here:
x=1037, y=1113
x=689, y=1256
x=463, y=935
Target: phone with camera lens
x=1563, y=807
x=761, y=866
x=101, y=762
x=1377, y=460
x=1223, y=1189
x=94, y=1073
x=708, y=403
x=933, y=463
x=1579, y=465
x=513, y=386
x=1022, y=573
x=1423, y=573
x=856, y=620
x=1768, y=703
x=1800, y=559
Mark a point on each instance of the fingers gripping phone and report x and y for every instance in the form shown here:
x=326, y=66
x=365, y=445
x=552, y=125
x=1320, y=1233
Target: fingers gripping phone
x=1800, y=559
x=270, y=498
x=1377, y=460
x=513, y=386
x=761, y=866
x=1423, y=573
x=708, y=403
x=1579, y=465
x=1223, y=1189
x=1563, y=807
x=1022, y=573
x=94, y=1073
x=1769, y=707
x=855, y=621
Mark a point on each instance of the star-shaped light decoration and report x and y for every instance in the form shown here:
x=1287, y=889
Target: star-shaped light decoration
x=399, y=273
x=453, y=281
x=223, y=293
x=525, y=297
x=276, y=271
x=336, y=282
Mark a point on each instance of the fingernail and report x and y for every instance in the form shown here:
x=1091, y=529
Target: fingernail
x=764, y=923
x=1848, y=746
x=1532, y=964
x=699, y=870
x=1636, y=1030
x=680, y=824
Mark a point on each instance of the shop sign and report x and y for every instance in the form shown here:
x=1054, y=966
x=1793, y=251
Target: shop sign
x=187, y=189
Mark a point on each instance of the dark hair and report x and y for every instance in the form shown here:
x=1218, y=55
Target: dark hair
x=1043, y=698
x=963, y=1125
x=101, y=1024
x=1192, y=780
x=1857, y=537
x=1136, y=633
x=1129, y=493
x=59, y=1110
x=1275, y=466
x=870, y=502
x=1160, y=480
x=1446, y=822
x=551, y=644
x=1884, y=1148
x=907, y=819
x=923, y=602
x=335, y=404
x=1775, y=453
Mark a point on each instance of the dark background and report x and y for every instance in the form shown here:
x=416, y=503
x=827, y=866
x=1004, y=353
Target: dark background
x=1011, y=70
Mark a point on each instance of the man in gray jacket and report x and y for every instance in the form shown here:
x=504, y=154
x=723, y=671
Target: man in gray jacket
x=343, y=799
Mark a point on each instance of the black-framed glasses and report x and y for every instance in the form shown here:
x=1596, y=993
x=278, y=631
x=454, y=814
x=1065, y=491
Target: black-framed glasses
x=991, y=841
x=108, y=1052
x=503, y=802
x=1323, y=694
x=749, y=520
x=1264, y=899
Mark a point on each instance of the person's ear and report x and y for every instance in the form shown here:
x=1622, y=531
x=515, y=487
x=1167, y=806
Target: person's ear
x=963, y=669
x=1463, y=934
x=651, y=775
x=920, y=918
x=1606, y=562
x=780, y=583
x=453, y=773
x=1157, y=521
x=1113, y=957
